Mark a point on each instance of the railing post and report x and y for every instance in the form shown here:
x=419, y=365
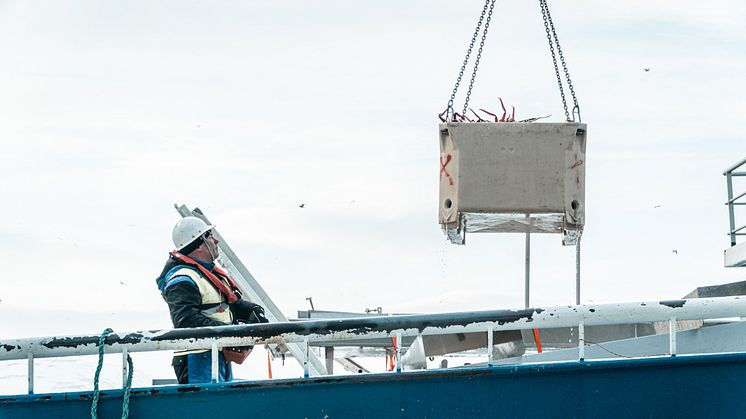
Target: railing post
x=672, y=336
x=398, y=351
x=527, y=269
x=215, y=359
x=305, y=358
x=731, y=215
x=581, y=341
x=30, y=373
x=577, y=271
x=490, y=355
x=125, y=367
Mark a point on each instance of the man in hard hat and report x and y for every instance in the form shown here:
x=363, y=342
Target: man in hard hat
x=199, y=294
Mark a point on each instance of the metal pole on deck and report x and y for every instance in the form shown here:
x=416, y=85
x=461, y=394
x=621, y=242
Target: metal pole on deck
x=528, y=265
x=577, y=272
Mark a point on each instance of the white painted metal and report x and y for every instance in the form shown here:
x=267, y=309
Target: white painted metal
x=125, y=367
x=563, y=316
x=250, y=288
x=672, y=336
x=735, y=256
x=490, y=347
x=527, y=285
x=414, y=358
x=398, y=351
x=722, y=338
x=305, y=358
x=30, y=373
x=581, y=341
x=577, y=272
x=215, y=358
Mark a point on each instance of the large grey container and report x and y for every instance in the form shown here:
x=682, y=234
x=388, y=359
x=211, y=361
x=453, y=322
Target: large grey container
x=512, y=177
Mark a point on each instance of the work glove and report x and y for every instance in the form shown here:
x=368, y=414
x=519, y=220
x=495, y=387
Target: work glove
x=246, y=312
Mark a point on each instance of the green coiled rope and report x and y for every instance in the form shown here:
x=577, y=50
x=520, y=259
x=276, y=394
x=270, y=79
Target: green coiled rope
x=128, y=384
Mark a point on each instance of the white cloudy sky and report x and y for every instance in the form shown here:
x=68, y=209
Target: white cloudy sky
x=111, y=112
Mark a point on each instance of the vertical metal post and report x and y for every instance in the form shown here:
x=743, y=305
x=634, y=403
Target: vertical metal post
x=526, y=301
x=30, y=373
x=577, y=271
x=672, y=336
x=490, y=344
x=581, y=341
x=215, y=358
x=124, y=367
x=305, y=358
x=398, y=351
x=329, y=355
x=731, y=215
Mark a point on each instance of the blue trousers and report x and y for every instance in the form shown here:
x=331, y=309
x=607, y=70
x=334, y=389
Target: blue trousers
x=199, y=368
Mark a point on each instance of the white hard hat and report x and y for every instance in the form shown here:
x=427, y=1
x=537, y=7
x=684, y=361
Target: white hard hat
x=187, y=230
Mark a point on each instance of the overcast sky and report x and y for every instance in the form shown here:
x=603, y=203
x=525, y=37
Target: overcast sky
x=111, y=112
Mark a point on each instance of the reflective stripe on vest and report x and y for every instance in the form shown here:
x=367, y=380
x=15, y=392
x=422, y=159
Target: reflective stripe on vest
x=210, y=295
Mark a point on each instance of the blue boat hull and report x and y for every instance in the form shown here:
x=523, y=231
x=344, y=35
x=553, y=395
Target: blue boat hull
x=667, y=387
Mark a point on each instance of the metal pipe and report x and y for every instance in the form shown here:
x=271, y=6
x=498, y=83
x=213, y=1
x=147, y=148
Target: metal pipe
x=490, y=348
x=527, y=288
x=125, y=367
x=215, y=358
x=307, y=348
x=734, y=167
x=344, y=330
x=735, y=198
x=329, y=356
x=398, y=351
x=577, y=271
x=30, y=373
x=672, y=336
x=731, y=214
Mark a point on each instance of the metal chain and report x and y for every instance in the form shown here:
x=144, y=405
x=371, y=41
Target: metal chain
x=553, y=39
x=564, y=64
x=479, y=56
x=554, y=58
x=449, y=109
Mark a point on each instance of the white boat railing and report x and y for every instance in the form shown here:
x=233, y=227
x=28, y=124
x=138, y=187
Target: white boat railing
x=307, y=333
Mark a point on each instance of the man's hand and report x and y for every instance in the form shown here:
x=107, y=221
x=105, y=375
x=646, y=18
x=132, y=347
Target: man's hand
x=246, y=312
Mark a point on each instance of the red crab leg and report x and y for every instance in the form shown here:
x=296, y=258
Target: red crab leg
x=479, y=118
x=489, y=113
x=442, y=115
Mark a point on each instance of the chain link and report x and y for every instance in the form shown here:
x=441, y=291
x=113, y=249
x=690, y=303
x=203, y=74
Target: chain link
x=553, y=39
x=449, y=109
x=479, y=56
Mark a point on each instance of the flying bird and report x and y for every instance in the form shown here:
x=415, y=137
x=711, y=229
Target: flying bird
x=675, y=252
x=302, y=206
x=646, y=69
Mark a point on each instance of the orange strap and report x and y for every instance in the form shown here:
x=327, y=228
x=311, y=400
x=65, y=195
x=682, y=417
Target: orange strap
x=229, y=293
x=538, y=340
x=269, y=365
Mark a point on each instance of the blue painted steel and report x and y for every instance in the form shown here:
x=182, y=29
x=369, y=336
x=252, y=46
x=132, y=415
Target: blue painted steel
x=667, y=387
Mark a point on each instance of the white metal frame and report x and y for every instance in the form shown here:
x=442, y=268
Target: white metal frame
x=411, y=325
